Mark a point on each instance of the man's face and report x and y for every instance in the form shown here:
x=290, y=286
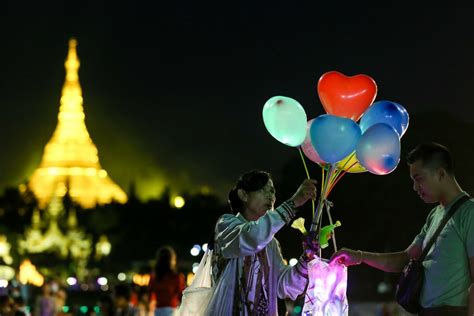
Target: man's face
x=426, y=182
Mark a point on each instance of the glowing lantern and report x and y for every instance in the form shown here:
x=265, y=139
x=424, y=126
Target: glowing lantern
x=326, y=294
x=29, y=274
x=141, y=279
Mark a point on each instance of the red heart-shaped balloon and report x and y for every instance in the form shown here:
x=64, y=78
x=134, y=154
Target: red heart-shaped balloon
x=345, y=96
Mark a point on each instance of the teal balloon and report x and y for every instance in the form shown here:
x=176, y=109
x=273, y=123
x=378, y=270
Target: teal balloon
x=387, y=112
x=378, y=149
x=285, y=119
x=334, y=137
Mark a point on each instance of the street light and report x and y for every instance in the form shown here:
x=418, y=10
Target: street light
x=178, y=202
x=71, y=281
x=103, y=247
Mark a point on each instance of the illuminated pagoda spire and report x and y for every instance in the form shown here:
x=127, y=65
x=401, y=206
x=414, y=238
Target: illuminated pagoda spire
x=70, y=160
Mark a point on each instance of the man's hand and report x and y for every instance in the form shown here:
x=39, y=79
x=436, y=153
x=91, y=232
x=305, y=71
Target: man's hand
x=347, y=257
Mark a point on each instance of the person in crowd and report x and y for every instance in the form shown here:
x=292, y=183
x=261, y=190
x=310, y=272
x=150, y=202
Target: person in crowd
x=167, y=284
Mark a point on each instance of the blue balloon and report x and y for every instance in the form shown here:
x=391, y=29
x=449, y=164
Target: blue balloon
x=378, y=149
x=387, y=112
x=334, y=137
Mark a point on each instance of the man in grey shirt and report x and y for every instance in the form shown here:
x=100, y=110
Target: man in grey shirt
x=449, y=265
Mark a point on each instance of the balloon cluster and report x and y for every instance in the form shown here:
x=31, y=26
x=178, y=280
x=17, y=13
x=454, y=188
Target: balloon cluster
x=334, y=140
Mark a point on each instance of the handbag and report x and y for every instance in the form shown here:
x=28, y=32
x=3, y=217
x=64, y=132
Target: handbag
x=411, y=281
x=197, y=295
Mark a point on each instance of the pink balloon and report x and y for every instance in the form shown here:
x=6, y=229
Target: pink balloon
x=308, y=148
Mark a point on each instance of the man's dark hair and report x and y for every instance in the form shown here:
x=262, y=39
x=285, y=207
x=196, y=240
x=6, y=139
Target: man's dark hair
x=432, y=156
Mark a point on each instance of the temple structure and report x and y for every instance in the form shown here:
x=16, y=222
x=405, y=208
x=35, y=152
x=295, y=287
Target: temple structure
x=70, y=161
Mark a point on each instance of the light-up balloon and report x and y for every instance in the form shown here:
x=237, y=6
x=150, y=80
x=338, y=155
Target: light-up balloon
x=387, y=112
x=308, y=147
x=378, y=149
x=345, y=96
x=334, y=137
x=350, y=164
x=285, y=119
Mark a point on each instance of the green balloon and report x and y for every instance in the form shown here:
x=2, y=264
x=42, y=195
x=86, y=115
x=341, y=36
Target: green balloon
x=285, y=119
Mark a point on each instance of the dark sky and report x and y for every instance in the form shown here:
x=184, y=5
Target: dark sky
x=173, y=90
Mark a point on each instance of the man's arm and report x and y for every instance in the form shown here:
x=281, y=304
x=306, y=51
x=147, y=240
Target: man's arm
x=388, y=262
x=471, y=289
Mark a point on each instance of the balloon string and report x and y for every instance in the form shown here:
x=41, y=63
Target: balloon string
x=323, y=176
x=347, y=160
x=319, y=232
x=307, y=175
x=304, y=162
x=316, y=218
x=328, y=210
x=326, y=184
x=333, y=179
x=342, y=170
x=339, y=178
x=335, y=182
x=321, y=196
x=326, y=174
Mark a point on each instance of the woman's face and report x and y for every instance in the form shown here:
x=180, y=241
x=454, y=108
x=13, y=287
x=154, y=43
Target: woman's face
x=257, y=203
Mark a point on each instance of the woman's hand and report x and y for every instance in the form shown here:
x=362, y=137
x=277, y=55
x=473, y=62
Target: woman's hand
x=306, y=191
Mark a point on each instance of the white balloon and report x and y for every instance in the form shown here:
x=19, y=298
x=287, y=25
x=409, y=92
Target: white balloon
x=285, y=119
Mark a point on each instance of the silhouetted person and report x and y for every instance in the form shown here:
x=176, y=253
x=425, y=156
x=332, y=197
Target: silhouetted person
x=45, y=303
x=123, y=307
x=167, y=284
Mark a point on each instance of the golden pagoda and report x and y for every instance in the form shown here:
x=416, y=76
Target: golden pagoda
x=70, y=160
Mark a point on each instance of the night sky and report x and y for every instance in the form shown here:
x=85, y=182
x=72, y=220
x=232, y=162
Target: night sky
x=173, y=91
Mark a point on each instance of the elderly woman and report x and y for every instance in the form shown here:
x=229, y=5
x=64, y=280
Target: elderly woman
x=248, y=270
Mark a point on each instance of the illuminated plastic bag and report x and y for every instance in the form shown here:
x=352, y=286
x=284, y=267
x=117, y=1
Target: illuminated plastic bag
x=326, y=293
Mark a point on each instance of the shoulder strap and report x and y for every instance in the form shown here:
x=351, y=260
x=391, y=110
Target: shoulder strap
x=446, y=218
